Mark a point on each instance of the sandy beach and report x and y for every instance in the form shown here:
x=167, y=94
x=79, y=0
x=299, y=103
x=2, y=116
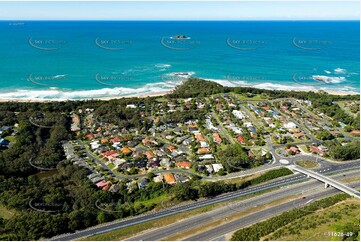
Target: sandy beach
x=143, y=95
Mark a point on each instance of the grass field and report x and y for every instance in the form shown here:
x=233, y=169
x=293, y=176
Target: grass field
x=333, y=223
x=307, y=164
x=303, y=148
x=6, y=213
x=45, y=174
x=258, y=97
x=10, y=138
x=346, y=109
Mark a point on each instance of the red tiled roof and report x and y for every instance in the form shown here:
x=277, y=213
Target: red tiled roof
x=90, y=136
x=149, y=154
x=126, y=150
x=109, y=153
x=184, y=164
x=171, y=148
x=241, y=139
x=200, y=137
x=216, y=138
x=294, y=149
x=169, y=177
x=102, y=183
x=203, y=150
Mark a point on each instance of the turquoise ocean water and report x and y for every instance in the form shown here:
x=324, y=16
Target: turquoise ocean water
x=92, y=59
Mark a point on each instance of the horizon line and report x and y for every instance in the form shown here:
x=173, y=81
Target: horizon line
x=181, y=20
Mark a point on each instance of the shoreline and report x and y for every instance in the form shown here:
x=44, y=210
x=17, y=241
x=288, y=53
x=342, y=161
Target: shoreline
x=142, y=95
x=145, y=95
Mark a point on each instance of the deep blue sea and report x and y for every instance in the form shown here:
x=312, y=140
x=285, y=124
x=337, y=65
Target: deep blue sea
x=92, y=59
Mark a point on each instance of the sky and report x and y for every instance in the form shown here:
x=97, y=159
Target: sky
x=243, y=10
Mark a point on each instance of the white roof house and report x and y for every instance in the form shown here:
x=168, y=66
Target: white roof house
x=238, y=114
x=217, y=167
x=204, y=144
x=206, y=157
x=94, y=145
x=290, y=125
x=131, y=106
x=118, y=161
x=209, y=168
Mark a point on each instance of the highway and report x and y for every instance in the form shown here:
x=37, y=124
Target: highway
x=201, y=203
x=219, y=232
x=235, y=207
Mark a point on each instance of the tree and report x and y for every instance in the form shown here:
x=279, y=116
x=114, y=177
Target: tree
x=150, y=176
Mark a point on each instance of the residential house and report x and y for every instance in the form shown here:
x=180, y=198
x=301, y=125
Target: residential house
x=102, y=184
x=114, y=188
x=169, y=178
x=126, y=150
x=184, y=164
x=241, y=139
x=154, y=163
x=217, y=167
x=290, y=125
x=294, y=150
x=143, y=183
x=203, y=151
x=165, y=162
x=204, y=144
x=209, y=168
x=188, y=141
x=315, y=150
x=299, y=135
x=117, y=162
x=181, y=178
x=149, y=154
x=238, y=114
x=216, y=138
x=158, y=178
x=200, y=137
x=206, y=157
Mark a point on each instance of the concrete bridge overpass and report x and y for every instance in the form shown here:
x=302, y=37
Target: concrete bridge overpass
x=327, y=180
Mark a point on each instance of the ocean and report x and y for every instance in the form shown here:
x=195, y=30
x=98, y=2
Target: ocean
x=70, y=60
